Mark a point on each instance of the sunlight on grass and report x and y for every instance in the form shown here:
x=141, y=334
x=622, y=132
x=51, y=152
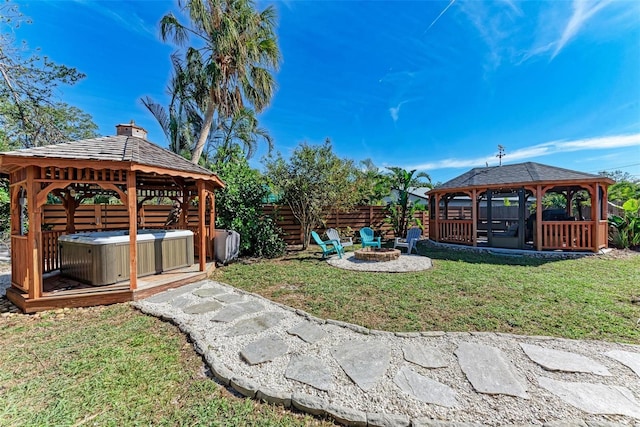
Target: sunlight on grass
x=587, y=298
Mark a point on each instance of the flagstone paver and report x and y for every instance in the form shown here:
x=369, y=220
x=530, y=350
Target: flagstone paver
x=308, y=332
x=594, y=398
x=229, y=298
x=255, y=325
x=208, y=292
x=557, y=360
x=264, y=350
x=310, y=370
x=488, y=371
x=425, y=389
x=423, y=355
x=627, y=358
x=232, y=312
x=180, y=301
x=173, y=293
x=203, y=307
x=363, y=362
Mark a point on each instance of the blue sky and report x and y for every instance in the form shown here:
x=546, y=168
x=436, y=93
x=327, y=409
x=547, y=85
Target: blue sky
x=427, y=85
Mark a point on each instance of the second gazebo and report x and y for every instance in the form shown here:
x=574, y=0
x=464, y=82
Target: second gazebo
x=503, y=207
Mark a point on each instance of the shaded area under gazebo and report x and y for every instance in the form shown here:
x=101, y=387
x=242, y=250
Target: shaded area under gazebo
x=125, y=166
x=491, y=207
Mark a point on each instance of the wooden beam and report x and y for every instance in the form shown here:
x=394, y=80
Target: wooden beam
x=474, y=216
x=202, y=201
x=538, y=231
x=593, y=193
x=212, y=226
x=133, y=230
x=34, y=273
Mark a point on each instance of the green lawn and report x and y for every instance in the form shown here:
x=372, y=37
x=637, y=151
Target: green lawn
x=113, y=366
x=586, y=298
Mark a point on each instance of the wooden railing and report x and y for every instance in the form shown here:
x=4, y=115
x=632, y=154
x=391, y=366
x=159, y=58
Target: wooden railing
x=196, y=241
x=456, y=231
x=577, y=235
x=19, y=261
x=603, y=233
x=50, y=251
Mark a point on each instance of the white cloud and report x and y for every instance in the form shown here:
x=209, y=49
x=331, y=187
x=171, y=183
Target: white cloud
x=539, y=150
x=583, y=10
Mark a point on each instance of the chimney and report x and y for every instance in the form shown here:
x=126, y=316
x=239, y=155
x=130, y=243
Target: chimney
x=131, y=129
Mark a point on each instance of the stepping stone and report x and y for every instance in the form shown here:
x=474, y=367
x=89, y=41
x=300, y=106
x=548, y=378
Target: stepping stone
x=425, y=389
x=594, y=398
x=627, y=358
x=229, y=298
x=232, y=312
x=208, y=292
x=425, y=356
x=488, y=371
x=203, y=307
x=180, y=302
x=308, y=332
x=172, y=293
x=311, y=371
x=557, y=360
x=264, y=350
x=364, y=362
x=255, y=324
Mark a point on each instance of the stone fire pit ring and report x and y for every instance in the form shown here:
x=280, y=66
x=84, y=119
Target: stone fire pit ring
x=377, y=254
x=404, y=264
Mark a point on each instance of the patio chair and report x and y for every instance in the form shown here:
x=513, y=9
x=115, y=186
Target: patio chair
x=366, y=234
x=326, y=250
x=333, y=234
x=409, y=242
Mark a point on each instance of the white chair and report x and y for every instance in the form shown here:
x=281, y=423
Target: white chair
x=413, y=235
x=333, y=234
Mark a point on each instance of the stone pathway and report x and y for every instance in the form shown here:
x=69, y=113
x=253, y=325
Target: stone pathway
x=358, y=376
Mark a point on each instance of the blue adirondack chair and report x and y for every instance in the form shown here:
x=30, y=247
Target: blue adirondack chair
x=326, y=250
x=366, y=234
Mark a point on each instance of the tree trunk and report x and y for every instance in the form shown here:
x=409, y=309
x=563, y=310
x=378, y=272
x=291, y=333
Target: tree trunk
x=204, y=132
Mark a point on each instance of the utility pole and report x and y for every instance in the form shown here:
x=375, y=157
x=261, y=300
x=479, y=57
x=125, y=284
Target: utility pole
x=500, y=154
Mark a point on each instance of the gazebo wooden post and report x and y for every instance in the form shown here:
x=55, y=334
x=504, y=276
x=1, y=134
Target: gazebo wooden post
x=436, y=218
x=33, y=236
x=202, y=200
x=489, y=218
x=212, y=224
x=132, y=207
x=595, y=218
x=538, y=230
x=522, y=210
x=474, y=216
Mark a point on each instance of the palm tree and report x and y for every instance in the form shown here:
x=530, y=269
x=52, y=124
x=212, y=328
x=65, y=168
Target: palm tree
x=181, y=121
x=241, y=129
x=233, y=63
x=401, y=211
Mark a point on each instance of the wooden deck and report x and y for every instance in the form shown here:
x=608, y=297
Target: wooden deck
x=60, y=291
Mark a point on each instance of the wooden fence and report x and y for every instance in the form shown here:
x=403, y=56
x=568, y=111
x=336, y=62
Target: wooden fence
x=114, y=217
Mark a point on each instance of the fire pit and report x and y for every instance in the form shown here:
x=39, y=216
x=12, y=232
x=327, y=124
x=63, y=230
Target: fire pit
x=377, y=254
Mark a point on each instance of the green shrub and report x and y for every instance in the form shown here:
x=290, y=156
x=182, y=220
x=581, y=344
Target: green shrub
x=625, y=231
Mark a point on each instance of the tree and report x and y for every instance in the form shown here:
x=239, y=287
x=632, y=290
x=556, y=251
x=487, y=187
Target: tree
x=29, y=113
x=401, y=210
x=313, y=182
x=372, y=184
x=239, y=207
x=232, y=66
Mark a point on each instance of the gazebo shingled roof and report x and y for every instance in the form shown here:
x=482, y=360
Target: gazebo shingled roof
x=519, y=173
x=118, y=148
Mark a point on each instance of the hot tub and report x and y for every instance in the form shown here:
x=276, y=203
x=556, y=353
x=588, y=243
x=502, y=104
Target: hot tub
x=102, y=258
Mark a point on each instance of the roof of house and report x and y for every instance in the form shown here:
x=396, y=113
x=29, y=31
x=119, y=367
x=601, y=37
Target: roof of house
x=119, y=148
x=519, y=173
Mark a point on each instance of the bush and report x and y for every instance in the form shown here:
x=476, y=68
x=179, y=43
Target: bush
x=239, y=208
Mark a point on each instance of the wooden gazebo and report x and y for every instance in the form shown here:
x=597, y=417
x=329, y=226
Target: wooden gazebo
x=467, y=209
x=126, y=166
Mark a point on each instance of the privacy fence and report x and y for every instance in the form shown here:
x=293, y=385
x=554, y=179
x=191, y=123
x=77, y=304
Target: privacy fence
x=114, y=217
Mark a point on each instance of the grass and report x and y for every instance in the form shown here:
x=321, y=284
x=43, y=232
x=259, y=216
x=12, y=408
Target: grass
x=586, y=298
x=113, y=366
